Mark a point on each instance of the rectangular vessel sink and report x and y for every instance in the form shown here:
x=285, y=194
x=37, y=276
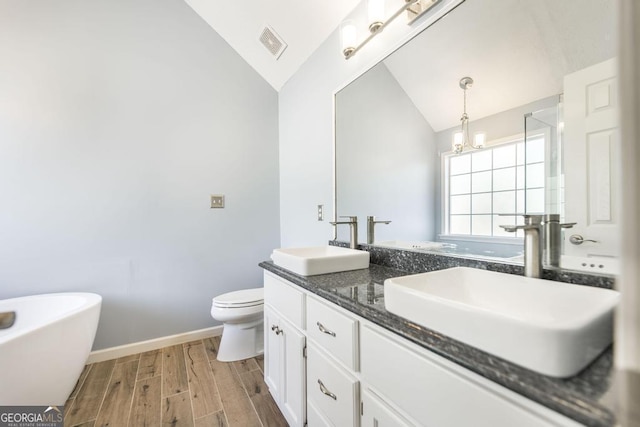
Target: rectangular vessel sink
x=550, y=327
x=315, y=260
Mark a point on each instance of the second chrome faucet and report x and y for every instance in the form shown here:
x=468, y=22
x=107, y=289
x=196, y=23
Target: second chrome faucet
x=371, y=228
x=353, y=226
x=542, y=236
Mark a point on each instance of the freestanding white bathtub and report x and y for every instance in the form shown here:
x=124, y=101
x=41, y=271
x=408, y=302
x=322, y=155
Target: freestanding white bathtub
x=43, y=353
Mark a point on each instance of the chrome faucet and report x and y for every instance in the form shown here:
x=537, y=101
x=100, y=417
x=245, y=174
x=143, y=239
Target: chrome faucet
x=371, y=225
x=353, y=225
x=553, y=239
x=7, y=319
x=532, y=244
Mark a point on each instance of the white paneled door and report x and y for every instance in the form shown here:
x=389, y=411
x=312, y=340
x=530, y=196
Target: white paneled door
x=592, y=160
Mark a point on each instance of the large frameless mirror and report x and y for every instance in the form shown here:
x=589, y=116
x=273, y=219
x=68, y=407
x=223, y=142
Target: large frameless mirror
x=542, y=105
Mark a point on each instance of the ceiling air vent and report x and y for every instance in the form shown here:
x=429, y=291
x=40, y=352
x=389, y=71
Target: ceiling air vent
x=272, y=42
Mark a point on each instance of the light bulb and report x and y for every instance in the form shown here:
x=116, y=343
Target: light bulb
x=348, y=35
x=458, y=142
x=376, y=14
x=479, y=139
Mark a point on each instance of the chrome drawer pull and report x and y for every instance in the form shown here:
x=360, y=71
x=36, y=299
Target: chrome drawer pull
x=324, y=330
x=324, y=390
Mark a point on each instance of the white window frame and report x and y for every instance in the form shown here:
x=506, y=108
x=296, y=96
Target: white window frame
x=445, y=191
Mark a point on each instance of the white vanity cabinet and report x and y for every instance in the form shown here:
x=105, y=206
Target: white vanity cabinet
x=284, y=345
x=356, y=373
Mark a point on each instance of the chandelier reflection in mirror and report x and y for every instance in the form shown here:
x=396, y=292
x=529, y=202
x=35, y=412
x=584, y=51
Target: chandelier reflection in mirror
x=461, y=138
x=377, y=23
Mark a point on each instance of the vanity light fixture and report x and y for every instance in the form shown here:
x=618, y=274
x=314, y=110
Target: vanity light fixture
x=376, y=14
x=461, y=138
x=348, y=32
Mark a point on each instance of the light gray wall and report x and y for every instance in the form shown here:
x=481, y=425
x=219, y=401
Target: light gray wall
x=306, y=139
x=386, y=159
x=307, y=124
x=118, y=119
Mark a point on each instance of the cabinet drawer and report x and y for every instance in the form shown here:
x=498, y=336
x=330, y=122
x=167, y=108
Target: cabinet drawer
x=437, y=392
x=331, y=390
x=285, y=298
x=337, y=333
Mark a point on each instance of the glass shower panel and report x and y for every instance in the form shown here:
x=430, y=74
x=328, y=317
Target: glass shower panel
x=544, y=183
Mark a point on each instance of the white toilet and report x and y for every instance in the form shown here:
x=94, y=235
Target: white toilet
x=242, y=313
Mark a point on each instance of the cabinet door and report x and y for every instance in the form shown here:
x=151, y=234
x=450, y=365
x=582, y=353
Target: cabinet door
x=375, y=413
x=293, y=394
x=273, y=353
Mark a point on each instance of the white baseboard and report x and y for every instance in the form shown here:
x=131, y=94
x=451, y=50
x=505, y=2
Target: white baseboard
x=154, y=344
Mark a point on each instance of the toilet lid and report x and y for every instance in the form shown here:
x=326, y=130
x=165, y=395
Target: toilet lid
x=243, y=298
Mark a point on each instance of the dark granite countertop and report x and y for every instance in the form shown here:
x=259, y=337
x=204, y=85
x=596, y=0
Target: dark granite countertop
x=362, y=293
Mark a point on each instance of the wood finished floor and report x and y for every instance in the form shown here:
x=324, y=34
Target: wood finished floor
x=181, y=385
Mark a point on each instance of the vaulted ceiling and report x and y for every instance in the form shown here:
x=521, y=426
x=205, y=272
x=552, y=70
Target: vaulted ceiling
x=523, y=47
x=302, y=25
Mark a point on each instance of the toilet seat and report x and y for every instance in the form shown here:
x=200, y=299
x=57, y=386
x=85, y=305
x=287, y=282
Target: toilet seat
x=239, y=299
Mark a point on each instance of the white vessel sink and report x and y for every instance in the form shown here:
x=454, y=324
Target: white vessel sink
x=550, y=327
x=320, y=259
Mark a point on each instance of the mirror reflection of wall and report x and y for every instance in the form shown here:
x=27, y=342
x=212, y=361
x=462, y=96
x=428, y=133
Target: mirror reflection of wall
x=386, y=169
x=395, y=123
